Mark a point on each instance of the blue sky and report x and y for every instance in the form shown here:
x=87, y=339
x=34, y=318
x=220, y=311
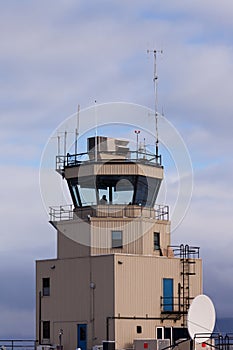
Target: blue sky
x=58, y=54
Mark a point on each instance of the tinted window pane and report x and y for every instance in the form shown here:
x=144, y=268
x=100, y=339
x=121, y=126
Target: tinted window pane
x=156, y=241
x=46, y=286
x=116, y=239
x=46, y=329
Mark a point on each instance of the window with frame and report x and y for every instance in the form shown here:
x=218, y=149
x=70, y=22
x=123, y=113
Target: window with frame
x=117, y=239
x=46, y=329
x=156, y=241
x=46, y=287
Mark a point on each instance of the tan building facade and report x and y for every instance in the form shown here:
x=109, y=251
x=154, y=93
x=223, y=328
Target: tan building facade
x=116, y=276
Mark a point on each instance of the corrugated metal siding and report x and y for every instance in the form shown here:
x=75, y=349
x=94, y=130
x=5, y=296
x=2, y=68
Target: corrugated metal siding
x=139, y=283
x=126, y=331
x=137, y=235
x=72, y=234
x=72, y=300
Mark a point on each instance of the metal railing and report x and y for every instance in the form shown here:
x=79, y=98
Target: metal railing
x=185, y=251
x=67, y=212
x=170, y=304
x=61, y=212
x=221, y=342
x=11, y=344
x=71, y=160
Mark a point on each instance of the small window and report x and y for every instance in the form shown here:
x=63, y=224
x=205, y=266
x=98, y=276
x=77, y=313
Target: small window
x=46, y=329
x=116, y=239
x=156, y=241
x=139, y=329
x=46, y=287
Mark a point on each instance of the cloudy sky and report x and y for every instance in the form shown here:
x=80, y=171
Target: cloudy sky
x=58, y=54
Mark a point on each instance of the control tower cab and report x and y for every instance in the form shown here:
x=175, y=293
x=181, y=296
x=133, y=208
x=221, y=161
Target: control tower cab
x=113, y=175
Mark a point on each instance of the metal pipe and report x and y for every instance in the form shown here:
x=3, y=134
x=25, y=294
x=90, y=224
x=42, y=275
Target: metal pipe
x=39, y=317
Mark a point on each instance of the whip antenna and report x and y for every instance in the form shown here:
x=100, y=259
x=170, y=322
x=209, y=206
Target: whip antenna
x=155, y=81
x=77, y=132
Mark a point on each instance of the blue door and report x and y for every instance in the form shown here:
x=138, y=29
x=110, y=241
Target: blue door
x=82, y=336
x=167, y=294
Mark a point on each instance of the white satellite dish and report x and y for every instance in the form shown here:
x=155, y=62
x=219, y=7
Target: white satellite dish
x=201, y=318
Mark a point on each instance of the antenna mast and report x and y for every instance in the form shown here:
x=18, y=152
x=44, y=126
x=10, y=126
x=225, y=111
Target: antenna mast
x=155, y=81
x=77, y=133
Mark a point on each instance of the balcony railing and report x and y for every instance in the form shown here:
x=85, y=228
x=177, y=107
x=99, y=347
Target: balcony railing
x=67, y=212
x=71, y=160
x=185, y=251
x=170, y=304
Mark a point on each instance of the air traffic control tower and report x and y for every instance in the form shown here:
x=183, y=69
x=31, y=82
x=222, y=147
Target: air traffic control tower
x=116, y=278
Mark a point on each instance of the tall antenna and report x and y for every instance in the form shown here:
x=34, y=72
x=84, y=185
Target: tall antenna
x=96, y=134
x=155, y=81
x=76, y=133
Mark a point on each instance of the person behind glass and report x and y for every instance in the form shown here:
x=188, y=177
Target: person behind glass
x=103, y=200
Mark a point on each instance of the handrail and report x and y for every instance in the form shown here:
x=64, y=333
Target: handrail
x=18, y=343
x=71, y=160
x=185, y=251
x=68, y=212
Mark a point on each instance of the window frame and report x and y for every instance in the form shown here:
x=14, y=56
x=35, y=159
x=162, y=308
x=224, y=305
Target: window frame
x=46, y=330
x=117, y=243
x=46, y=288
x=168, y=294
x=157, y=244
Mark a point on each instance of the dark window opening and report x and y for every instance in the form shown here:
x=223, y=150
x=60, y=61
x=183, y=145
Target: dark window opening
x=139, y=329
x=117, y=239
x=46, y=329
x=46, y=286
x=180, y=333
x=167, y=333
x=156, y=241
x=159, y=333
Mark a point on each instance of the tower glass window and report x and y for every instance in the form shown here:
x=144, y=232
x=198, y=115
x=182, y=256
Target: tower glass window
x=46, y=286
x=117, y=239
x=118, y=189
